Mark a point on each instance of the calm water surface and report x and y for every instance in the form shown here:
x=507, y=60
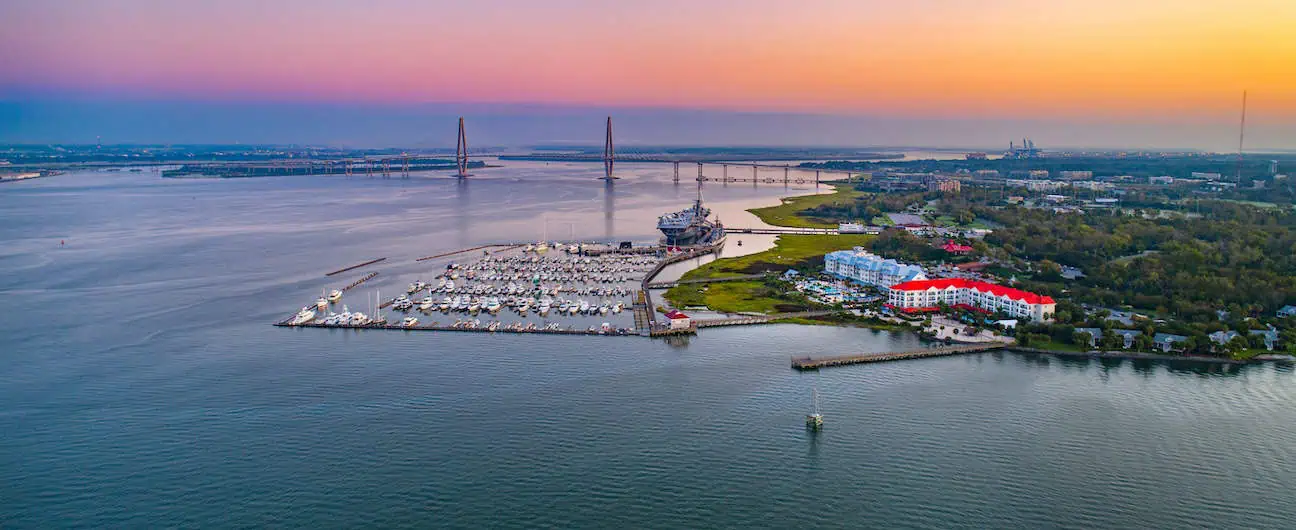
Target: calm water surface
x=143, y=386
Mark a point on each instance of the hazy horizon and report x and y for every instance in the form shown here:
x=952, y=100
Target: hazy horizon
x=117, y=121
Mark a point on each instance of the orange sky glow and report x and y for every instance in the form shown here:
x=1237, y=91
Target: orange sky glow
x=1095, y=59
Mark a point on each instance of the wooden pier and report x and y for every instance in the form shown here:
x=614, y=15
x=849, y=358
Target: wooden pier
x=354, y=267
x=815, y=363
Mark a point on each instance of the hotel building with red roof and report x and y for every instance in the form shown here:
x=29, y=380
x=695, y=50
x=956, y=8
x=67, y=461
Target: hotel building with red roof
x=926, y=295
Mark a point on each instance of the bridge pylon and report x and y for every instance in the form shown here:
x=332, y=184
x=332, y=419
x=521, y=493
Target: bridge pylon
x=609, y=153
x=461, y=151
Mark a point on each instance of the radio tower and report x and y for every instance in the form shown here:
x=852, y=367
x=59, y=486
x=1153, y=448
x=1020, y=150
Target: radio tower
x=1241, y=135
x=609, y=154
x=461, y=151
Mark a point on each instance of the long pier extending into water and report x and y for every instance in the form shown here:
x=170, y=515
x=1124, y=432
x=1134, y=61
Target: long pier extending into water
x=815, y=363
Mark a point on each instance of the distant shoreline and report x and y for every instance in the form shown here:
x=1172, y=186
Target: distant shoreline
x=1140, y=356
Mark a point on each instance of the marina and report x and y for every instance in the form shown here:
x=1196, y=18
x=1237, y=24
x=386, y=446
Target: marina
x=545, y=287
x=542, y=287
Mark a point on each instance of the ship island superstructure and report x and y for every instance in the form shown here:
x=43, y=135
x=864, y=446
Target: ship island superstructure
x=691, y=226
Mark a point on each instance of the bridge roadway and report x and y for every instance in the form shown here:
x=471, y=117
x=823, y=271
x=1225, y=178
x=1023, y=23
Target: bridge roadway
x=815, y=363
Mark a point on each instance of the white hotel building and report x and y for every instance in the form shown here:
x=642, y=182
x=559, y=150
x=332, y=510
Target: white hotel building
x=866, y=267
x=926, y=295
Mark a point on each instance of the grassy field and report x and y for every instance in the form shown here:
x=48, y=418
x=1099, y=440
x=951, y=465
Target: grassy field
x=790, y=252
x=737, y=297
x=786, y=214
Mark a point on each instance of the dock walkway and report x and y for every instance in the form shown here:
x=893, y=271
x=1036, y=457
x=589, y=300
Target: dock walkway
x=815, y=363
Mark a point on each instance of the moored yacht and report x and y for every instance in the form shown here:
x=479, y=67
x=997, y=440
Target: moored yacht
x=306, y=314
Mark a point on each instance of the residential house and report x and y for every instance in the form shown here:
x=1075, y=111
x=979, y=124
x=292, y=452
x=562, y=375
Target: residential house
x=1167, y=342
x=1128, y=336
x=1270, y=337
x=1095, y=334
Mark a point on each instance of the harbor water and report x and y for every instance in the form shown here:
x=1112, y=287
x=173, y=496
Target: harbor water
x=142, y=384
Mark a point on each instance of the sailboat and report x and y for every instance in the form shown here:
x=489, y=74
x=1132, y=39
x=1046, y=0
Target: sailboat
x=814, y=420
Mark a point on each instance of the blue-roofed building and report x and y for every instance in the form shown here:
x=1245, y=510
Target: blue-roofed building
x=1167, y=341
x=1287, y=311
x=1270, y=337
x=1223, y=337
x=865, y=267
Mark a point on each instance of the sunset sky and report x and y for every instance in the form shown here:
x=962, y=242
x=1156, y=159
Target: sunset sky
x=1089, y=63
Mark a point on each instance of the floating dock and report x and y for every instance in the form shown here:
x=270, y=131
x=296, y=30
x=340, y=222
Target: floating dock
x=815, y=363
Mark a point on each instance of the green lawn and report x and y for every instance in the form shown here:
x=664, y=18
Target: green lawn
x=790, y=251
x=736, y=297
x=786, y=214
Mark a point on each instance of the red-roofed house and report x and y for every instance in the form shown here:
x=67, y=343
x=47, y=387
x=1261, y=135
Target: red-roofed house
x=925, y=295
x=955, y=248
x=678, y=320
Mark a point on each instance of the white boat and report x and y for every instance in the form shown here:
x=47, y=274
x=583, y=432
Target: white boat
x=321, y=303
x=413, y=288
x=306, y=314
x=335, y=296
x=409, y=322
x=359, y=319
x=814, y=420
x=584, y=307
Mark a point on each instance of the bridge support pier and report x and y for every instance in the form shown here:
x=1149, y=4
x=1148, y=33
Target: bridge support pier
x=699, y=172
x=676, y=172
x=816, y=178
x=785, y=176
